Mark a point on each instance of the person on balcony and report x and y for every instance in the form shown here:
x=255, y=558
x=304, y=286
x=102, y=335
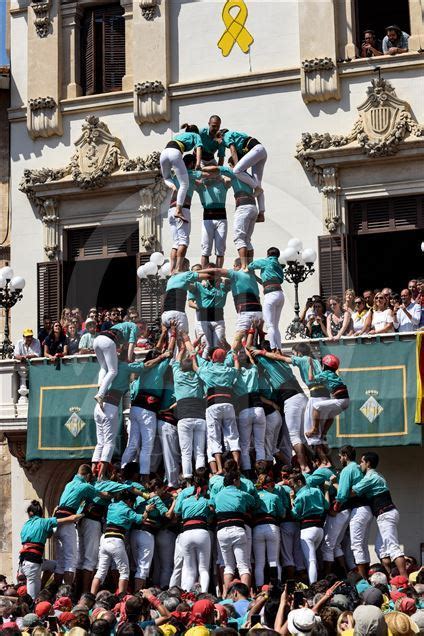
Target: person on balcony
x=338, y=320
x=28, y=347
x=408, y=315
x=316, y=323
x=395, y=41
x=371, y=46
x=361, y=317
x=56, y=344
x=382, y=316
x=86, y=343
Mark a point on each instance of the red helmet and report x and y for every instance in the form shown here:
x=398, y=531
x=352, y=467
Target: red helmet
x=330, y=361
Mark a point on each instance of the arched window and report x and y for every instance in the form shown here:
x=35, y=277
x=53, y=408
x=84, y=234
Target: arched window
x=102, y=49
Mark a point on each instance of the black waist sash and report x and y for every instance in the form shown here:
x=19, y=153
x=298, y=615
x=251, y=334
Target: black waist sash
x=243, y=198
x=249, y=400
x=113, y=396
x=31, y=551
x=288, y=390
x=250, y=143
x=211, y=314
x=94, y=511
x=229, y=519
x=341, y=393
x=271, y=286
x=219, y=395
x=113, y=531
x=247, y=301
x=196, y=523
x=381, y=503
x=214, y=214
x=175, y=300
x=191, y=408
x=168, y=416
x=175, y=145
x=145, y=401
x=319, y=390
x=64, y=511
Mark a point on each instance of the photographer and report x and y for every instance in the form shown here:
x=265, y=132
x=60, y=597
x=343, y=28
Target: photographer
x=316, y=323
x=370, y=47
x=408, y=314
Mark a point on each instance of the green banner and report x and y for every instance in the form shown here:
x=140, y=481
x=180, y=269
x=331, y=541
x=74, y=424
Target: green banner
x=381, y=376
x=61, y=410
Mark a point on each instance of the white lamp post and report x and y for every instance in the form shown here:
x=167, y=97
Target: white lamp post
x=10, y=292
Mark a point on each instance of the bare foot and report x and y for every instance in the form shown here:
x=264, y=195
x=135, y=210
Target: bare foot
x=311, y=433
x=260, y=218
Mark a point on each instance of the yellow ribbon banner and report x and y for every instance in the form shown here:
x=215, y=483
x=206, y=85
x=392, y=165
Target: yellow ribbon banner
x=235, y=29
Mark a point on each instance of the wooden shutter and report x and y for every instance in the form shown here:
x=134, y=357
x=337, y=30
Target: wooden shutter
x=386, y=214
x=149, y=306
x=113, y=48
x=88, y=53
x=49, y=290
x=332, y=265
x=102, y=242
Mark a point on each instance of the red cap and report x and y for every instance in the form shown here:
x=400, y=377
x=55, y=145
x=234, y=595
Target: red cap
x=63, y=603
x=22, y=590
x=222, y=613
x=395, y=596
x=399, y=581
x=43, y=609
x=11, y=624
x=66, y=617
x=219, y=355
x=330, y=361
x=203, y=609
x=407, y=606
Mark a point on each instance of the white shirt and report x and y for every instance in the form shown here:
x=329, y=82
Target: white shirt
x=34, y=348
x=406, y=323
x=380, y=319
x=359, y=321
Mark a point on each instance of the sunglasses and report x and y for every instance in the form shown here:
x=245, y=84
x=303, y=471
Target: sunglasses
x=358, y=302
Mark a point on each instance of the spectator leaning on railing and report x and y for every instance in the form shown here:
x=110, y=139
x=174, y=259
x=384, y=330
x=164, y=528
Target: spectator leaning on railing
x=316, y=323
x=73, y=339
x=45, y=329
x=382, y=316
x=408, y=315
x=361, y=317
x=56, y=343
x=86, y=343
x=28, y=347
x=395, y=41
x=338, y=320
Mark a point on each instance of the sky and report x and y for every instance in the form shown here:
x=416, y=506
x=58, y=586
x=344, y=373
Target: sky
x=3, y=56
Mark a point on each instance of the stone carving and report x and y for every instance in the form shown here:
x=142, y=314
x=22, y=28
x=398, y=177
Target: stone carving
x=50, y=219
x=149, y=9
x=150, y=163
x=318, y=64
x=42, y=20
x=17, y=448
x=149, y=221
x=151, y=102
x=330, y=190
x=319, y=80
x=43, y=117
x=38, y=103
x=35, y=177
x=384, y=122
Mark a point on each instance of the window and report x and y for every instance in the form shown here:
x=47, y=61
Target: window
x=376, y=16
x=102, y=242
x=102, y=49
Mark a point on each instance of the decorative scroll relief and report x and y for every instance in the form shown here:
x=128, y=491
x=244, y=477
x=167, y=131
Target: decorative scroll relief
x=151, y=102
x=319, y=80
x=43, y=117
x=149, y=9
x=42, y=21
x=150, y=221
x=384, y=123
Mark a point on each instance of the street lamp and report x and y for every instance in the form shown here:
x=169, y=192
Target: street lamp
x=298, y=264
x=153, y=277
x=10, y=292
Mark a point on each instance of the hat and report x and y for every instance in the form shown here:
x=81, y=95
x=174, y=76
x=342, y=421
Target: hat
x=413, y=576
x=373, y=596
x=203, y=609
x=406, y=605
x=43, y=609
x=168, y=630
x=301, y=621
x=395, y=596
x=369, y=620
x=401, y=624
x=30, y=620
x=399, y=581
x=361, y=586
x=63, y=603
x=90, y=321
x=197, y=631
x=418, y=619
x=22, y=590
x=11, y=624
x=331, y=361
x=28, y=332
x=219, y=355
x=65, y=617
x=378, y=578
x=340, y=601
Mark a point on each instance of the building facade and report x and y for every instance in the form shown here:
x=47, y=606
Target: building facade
x=98, y=89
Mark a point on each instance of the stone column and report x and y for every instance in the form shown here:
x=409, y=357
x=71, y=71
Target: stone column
x=416, y=15
x=331, y=199
x=71, y=25
x=50, y=218
x=128, y=80
x=318, y=50
x=44, y=69
x=150, y=50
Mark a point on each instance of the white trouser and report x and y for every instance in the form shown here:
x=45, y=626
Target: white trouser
x=272, y=306
x=272, y=431
x=251, y=420
x=387, y=539
x=105, y=350
x=180, y=230
x=245, y=318
x=291, y=553
x=142, y=549
x=89, y=535
x=168, y=437
x=334, y=532
x=142, y=434
x=310, y=540
x=66, y=548
x=107, y=426
x=254, y=159
x=308, y=421
x=244, y=224
x=192, y=438
x=234, y=549
x=156, y=456
x=266, y=548
x=179, y=317
x=359, y=528
x=112, y=550
x=172, y=159
x=213, y=332
x=294, y=408
x=196, y=549
x=163, y=557
x=248, y=531
x=214, y=231
x=221, y=420
x=330, y=408
x=178, y=564
x=285, y=445
x=32, y=572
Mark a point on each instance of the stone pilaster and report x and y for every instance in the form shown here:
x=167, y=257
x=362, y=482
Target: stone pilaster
x=50, y=218
x=331, y=200
x=71, y=24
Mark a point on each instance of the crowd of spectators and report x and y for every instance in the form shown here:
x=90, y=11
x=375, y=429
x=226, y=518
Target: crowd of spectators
x=383, y=606
x=374, y=312
x=73, y=335
x=394, y=42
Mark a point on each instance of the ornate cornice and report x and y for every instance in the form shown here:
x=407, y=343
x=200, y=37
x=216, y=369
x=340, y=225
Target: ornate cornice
x=384, y=123
x=149, y=9
x=151, y=162
x=149, y=88
x=42, y=20
x=39, y=103
x=318, y=64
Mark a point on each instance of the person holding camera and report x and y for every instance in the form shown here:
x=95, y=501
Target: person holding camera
x=370, y=47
